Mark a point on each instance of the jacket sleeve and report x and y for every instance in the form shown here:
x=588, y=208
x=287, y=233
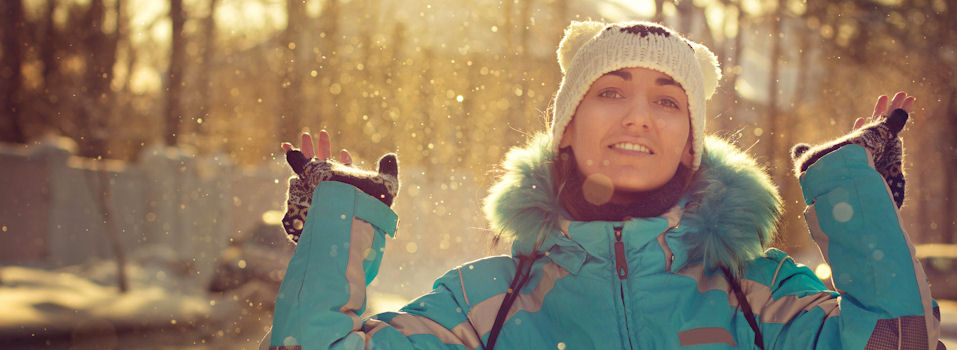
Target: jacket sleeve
x=324, y=289
x=883, y=297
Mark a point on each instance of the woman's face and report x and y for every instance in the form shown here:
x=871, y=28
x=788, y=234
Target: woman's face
x=631, y=130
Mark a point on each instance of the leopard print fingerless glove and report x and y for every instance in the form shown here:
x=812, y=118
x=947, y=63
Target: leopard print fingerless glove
x=382, y=185
x=879, y=137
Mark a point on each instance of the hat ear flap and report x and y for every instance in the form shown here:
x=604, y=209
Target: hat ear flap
x=710, y=69
x=576, y=35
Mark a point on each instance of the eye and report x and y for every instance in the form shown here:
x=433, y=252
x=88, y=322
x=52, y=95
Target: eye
x=669, y=103
x=610, y=93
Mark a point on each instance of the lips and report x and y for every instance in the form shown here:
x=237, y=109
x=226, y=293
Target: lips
x=634, y=147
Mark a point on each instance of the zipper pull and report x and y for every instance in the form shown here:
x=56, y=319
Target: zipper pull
x=621, y=265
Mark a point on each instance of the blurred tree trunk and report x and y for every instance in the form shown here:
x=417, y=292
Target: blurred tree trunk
x=474, y=83
x=106, y=195
x=686, y=10
x=659, y=11
x=394, y=74
x=368, y=102
x=206, y=68
x=948, y=34
x=509, y=55
x=790, y=117
x=95, y=111
x=95, y=114
x=290, y=115
x=929, y=40
x=526, y=104
x=48, y=48
x=105, y=200
x=736, y=65
x=48, y=54
x=427, y=91
x=771, y=140
x=328, y=61
x=950, y=169
x=11, y=129
x=731, y=69
x=175, y=82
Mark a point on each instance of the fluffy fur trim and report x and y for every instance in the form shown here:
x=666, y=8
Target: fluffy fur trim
x=522, y=205
x=731, y=217
x=734, y=208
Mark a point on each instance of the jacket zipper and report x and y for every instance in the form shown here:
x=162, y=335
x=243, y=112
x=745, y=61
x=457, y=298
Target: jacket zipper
x=621, y=267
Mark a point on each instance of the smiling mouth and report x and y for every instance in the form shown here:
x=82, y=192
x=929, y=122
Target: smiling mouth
x=631, y=147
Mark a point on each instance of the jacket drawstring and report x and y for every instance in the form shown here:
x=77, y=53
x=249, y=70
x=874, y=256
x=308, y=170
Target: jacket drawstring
x=745, y=307
x=522, y=274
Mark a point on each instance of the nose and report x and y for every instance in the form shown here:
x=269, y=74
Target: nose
x=638, y=115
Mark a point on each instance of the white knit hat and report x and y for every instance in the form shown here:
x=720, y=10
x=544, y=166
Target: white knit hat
x=591, y=49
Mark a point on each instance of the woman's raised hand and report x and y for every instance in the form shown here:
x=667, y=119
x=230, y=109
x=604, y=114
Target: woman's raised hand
x=881, y=109
x=313, y=166
x=878, y=134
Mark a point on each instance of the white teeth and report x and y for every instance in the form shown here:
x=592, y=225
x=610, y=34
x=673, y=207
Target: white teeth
x=631, y=147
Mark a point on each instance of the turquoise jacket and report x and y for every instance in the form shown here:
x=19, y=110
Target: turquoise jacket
x=671, y=293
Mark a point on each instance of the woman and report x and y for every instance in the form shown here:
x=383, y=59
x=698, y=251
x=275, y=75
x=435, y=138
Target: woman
x=631, y=228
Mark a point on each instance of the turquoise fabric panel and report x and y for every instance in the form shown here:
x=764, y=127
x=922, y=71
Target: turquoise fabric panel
x=440, y=306
x=869, y=256
x=315, y=287
x=372, y=262
x=371, y=210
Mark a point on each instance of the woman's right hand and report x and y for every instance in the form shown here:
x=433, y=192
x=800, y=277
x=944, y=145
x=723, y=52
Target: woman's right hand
x=313, y=166
x=324, y=152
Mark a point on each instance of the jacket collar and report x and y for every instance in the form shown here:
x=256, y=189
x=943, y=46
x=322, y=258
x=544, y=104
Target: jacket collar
x=730, y=217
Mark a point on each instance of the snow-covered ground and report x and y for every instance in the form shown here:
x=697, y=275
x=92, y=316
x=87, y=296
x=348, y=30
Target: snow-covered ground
x=166, y=307
x=948, y=323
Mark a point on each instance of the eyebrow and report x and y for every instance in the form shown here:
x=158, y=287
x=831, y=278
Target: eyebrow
x=620, y=73
x=667, y=81
x=662, y=81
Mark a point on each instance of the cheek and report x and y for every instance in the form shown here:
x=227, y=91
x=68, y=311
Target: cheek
x=675, y=135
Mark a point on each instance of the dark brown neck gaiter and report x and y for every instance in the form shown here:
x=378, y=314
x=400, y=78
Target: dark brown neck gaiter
x=646, y=204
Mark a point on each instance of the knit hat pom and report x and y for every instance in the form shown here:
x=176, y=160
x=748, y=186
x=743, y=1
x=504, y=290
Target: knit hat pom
x=710, y=70
x=576, y=35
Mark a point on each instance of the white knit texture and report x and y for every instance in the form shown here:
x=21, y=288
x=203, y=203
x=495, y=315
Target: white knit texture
x=590, y=49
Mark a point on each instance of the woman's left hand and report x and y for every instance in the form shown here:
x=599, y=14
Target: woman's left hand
x=881, y=109
x=878, y=134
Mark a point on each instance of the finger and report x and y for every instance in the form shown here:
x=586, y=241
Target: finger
x=344, y=157
x=858, y=123
x=908, y=103
x=325, y=146
x=308, y=149
x=897, y=101
x=297, y=161
x=880, y=107
x=286, y=147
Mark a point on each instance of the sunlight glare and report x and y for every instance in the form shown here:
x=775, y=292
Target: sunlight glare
x=272, y=217
x=823, y=271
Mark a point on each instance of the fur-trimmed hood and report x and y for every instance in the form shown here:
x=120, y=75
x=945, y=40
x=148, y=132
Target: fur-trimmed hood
x=733, y=206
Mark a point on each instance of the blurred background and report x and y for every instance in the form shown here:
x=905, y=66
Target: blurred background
x=142, y=181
